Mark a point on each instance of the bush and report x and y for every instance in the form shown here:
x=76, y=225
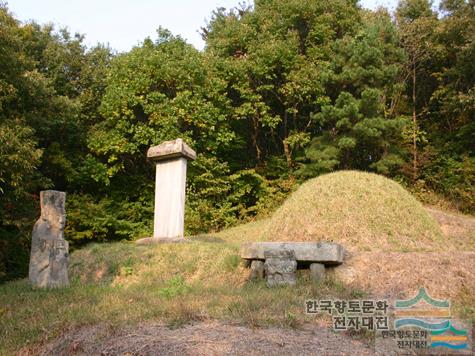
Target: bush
x=106, y=219
x=454, y=177
x=14, y=254
x=218, y=199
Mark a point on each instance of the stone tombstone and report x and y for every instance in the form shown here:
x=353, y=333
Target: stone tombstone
x=280, y=267
x=170, y=158
x=49, y=257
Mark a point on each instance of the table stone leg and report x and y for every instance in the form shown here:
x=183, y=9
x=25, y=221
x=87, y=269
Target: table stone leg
x=257, y=270
x=317, y=271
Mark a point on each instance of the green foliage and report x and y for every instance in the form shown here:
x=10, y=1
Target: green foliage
x=154, y=93
x=357, y=129
x=453, y=102
x=41, y=135
x=276, y=58
x=284, y=91
x=453, y=176
x=217, y=199
x=106, y=219
x=175, y=286
x=14, y=256
x=19, y=159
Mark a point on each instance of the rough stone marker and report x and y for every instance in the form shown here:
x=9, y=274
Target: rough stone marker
x=49, y=250
x=280, y=257
x=170, y=158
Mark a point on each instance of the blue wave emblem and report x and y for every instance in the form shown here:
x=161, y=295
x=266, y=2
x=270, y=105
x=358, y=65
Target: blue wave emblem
x=450, y=346
x=455, y=331
x=422, y=324
x=422, y=295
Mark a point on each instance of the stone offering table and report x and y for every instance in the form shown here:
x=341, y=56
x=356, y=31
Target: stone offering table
x=170, y=158
x=313, y=255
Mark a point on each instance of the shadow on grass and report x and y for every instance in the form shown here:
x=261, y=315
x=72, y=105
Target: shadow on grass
x=207, y=238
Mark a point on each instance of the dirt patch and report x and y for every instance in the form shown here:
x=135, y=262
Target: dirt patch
x=397, y=274
x=401, y=274
x=460, y=227
x=205, y=338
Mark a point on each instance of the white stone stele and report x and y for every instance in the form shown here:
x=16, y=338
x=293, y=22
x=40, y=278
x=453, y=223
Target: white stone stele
x=170, y=182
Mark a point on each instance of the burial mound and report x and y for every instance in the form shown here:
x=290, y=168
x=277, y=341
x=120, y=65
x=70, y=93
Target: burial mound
x=362, y=211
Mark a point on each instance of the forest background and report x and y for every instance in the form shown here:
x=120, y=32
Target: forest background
x=285, y=90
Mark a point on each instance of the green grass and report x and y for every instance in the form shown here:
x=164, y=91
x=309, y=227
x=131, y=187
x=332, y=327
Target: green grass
x=359, y=210
x=121, y=283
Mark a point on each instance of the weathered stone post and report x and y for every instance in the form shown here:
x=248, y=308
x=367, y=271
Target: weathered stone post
x=317, y=271
x=171, y=159
x=280, y=267
x=49, y=250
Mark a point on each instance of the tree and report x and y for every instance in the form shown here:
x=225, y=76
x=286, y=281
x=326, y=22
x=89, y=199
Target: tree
x=357, y=127
x=276, y=58
x=450, y=154
x=42, y=134
x=453, y=101
x=19, y=152
x=417, y=25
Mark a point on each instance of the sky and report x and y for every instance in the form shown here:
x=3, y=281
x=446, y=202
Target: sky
x=123, y=24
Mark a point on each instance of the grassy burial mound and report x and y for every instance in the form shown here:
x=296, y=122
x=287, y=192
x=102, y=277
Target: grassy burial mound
x=362, y=211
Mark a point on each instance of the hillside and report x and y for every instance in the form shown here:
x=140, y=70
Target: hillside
x=119, y=290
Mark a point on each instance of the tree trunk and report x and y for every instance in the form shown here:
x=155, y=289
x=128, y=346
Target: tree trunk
x=287, y=152
x=254, y=138
x=414, y=124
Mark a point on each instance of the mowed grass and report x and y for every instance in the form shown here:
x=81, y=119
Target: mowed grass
x=362, y=211
x=121, y=284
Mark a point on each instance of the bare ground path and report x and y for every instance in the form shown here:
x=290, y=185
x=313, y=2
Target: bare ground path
x=206, y=338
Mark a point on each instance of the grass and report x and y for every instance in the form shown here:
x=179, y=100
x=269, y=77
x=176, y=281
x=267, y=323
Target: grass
x=120, y=284
x=465, y=304
x=359, y=210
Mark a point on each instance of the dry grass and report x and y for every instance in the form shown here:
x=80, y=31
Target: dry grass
x=121, y=285
x=459, y=229
x=399, y=275
x=206, y=338
x=362, y=211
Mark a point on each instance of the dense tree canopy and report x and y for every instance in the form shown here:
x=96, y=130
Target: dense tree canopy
x=283, y=91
